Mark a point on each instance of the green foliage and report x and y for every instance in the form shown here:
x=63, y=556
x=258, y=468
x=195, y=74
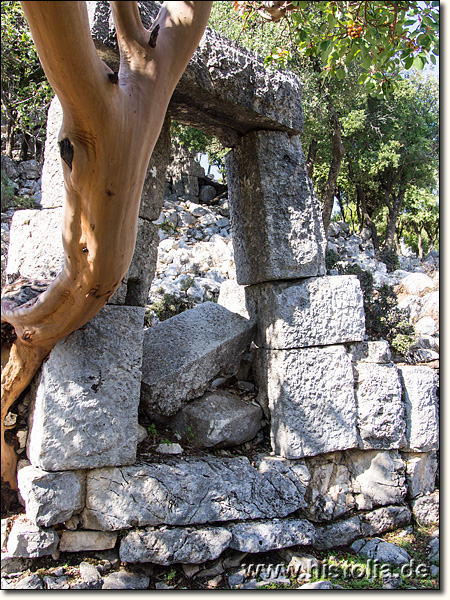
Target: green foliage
x=382, y=38
x=384, y=320
x=7, y=191
x=26, y=94
x=152, y=431
x=390, y=259
x=169, y=306
x=167, y=227
x=331, y=258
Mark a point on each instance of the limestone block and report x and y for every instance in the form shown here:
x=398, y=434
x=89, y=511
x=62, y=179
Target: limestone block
x=381, y=412
x=330, y=494
x=275, y=215
x=426, y=509
x=178, y=545
x=52, y=170
x=340, y=533
x=51, y=498
x=218, y=419
x=384, y=552
x=85, y=412
x=35, y=249
x=419, y=395
x=182, y=354
x=312, y=312
x=310, y=396
x=370, y=352
x=186, y=492
x=30, y=541
x=421, y=469
x=232, y=296
x=384, y=519
x=377, y=478
x=225, y=88
x=87, y=541
x=262, y=536
x=125, y=580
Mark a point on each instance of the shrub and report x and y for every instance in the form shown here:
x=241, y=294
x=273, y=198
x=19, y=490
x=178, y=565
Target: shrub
x=331, y=258
x=390, y=259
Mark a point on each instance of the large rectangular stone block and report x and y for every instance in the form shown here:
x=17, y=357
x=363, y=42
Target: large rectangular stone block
x=189, y=491
x=276, y=217
x=422, y=421
x=314, y=312
x=86, y=407
x=309, y=393
x=225, y=89
x=184, y=353
x=381, y=411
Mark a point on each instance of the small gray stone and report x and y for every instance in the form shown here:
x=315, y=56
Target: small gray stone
x=419, y=394
x=167, y=448
x=384, y=552
x=262, y=536
x=421, y=468
x=90, y=576
x=384, y=519
x=182, y=354
x=51, y=498
x=207, y=193
x=56, y=583
x=426, y=509
x=87, y=399
x=310, y=395
x=317, y=311
x=31, y=582
x=168, y=546
x=26, y=540
x=317, y=585
x=86, y=541
x=341, y=533
x=218, y=419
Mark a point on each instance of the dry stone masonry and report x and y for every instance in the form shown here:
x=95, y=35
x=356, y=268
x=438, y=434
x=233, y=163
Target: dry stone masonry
x=354, y=437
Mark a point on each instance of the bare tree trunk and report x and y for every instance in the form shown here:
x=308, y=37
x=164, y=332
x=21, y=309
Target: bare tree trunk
x=109, y=130
x=312, y=151
x=336, y=161
x=361, y=197
x=394, y=211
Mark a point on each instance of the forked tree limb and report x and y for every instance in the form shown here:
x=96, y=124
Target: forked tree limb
x=108, y=134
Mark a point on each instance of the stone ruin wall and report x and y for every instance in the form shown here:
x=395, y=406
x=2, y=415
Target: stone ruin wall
x=354, y=437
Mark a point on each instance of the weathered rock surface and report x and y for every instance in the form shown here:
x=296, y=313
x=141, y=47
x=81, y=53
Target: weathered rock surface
x=370, y=352
x=340, y=533
x=381, y=412
x=218, y=419
x=313, y=312
x=426, y=509
x=52, y=171
x=35, y=249
x=87, y=541
x=233, y=297
x=225, y=88
x=125, y=580
x=277, y=226
x=27, y=540
x=382, y=551
x=85, y=412
x=384, y=519
x=377, y=478
x=262, y=536
x=421, y=468
x=180, y=545
x=310, y=395
x=419, y=394
x=182, y=354
x=51, y=498
x=189, y=491
x=418, y=283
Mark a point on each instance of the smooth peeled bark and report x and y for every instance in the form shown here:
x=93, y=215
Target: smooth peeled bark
x=109, y=130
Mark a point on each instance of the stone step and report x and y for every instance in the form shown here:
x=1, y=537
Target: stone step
x=183, y=354
x=188, y=491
